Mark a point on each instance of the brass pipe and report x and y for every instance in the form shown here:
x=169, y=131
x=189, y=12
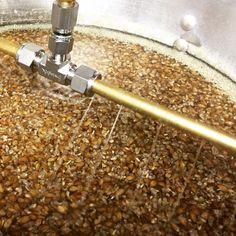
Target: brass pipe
x=8, y=47
x=158, y=112
x=66, y=3
x=141, y=105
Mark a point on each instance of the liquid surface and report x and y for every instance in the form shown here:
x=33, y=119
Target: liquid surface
x=71, y=164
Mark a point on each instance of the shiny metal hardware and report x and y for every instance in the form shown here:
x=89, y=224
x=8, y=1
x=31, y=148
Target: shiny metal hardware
x=83, y=80
x=57, y=65
x=64, y=18
x=27, y=56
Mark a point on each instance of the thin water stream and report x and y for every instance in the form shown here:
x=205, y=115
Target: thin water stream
x=75, y=165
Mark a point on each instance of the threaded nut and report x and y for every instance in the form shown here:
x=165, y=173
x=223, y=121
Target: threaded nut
x=61, y=45
x=27, y=54
x=83, y=80
x=64, y=19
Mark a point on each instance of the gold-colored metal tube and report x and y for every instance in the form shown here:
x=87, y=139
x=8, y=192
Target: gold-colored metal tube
x=141, y=105
x=8, y=47
x=158, y=112
x=66, y=3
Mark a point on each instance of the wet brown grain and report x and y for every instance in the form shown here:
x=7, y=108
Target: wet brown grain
x=69, y=170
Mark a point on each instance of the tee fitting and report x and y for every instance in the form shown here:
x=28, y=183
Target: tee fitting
x=57, y=65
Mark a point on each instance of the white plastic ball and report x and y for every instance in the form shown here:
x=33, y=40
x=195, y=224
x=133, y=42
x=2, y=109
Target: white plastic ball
x=181, y=45
x=188, y=22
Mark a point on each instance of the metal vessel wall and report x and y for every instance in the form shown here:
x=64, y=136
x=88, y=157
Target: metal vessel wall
x=155, y=19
